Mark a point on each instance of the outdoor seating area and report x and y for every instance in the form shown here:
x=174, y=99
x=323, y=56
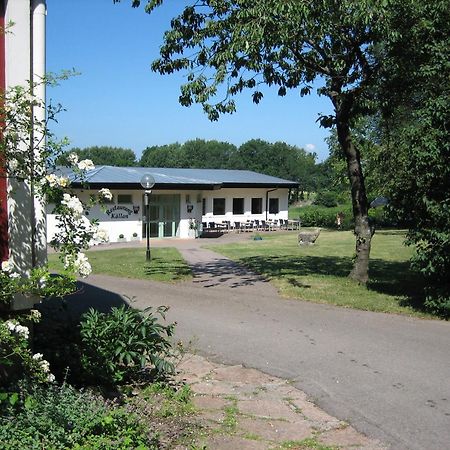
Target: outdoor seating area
x=247, y=226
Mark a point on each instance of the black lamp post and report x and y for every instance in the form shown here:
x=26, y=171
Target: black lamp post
x=147, y=182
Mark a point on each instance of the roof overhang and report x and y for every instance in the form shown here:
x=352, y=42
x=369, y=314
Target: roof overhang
x=157, y=186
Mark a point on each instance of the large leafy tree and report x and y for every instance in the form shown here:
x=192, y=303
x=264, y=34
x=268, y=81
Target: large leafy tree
x=161, y=156
x=104, y=155
x=227, y=46
x=415, y=158
x=201, y=154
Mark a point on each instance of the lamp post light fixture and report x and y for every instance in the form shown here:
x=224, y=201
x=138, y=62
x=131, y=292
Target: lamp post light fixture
x=147, y=182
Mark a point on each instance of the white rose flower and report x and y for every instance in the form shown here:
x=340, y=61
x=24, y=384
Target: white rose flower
x=45, y=365
x=105, y=193
x=50, y=378
x=82, y=265
x=38, y=356
x=35, y=314
x=10, y=325
x=72, y=159
x=52, y=179
x=68, y=261
x=63, y=182
x=101, y=235
x=7, y=266
x=22, y=330
x=86, y=164
x=73, y=203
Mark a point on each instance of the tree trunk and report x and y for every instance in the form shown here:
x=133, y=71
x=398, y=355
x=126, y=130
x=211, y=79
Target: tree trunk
x=363, y=230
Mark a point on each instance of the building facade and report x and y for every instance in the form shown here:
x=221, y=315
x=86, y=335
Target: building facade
x=181, y=201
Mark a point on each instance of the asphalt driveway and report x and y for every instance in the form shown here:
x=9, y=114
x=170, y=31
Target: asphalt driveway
x=388, y=375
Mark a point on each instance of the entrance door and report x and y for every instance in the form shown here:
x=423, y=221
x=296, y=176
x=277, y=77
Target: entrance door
x=164, y=216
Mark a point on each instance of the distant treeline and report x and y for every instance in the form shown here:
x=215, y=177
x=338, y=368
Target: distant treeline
x=277, y=159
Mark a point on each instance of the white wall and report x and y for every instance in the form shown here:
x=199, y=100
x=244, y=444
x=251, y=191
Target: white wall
x=247, y=194
x=26, y=214
x=188, y=199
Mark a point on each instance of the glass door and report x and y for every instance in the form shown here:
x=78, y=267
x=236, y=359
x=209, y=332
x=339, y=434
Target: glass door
x=164, y=216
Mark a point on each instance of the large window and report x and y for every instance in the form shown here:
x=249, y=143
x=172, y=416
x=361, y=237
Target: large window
x=203, y=206
x=274, y=207
x=238, y=206
x=124, y=199
x=218, y=206
x=257, y=205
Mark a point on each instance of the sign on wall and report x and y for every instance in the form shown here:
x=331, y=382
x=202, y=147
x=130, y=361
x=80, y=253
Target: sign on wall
x=119, y=212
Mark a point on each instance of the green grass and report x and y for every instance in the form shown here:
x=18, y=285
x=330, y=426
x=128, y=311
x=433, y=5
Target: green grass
x=166, y=265
x=318, y=273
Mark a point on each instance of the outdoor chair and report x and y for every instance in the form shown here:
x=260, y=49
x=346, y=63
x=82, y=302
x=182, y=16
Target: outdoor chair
x=248, y=226
x=264, y=226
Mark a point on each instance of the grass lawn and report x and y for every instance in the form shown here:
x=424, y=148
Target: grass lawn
x=318, y=273
x=166, y=265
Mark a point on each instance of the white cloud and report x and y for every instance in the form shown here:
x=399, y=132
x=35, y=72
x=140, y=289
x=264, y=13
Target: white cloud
x=310, y=147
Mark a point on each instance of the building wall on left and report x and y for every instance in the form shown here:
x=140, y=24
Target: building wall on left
x=25, y=62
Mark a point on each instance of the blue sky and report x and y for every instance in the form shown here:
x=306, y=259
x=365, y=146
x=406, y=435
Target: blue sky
x=117, y=100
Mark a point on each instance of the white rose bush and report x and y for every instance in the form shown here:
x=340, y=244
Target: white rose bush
x=15, y=350
x=28, y=153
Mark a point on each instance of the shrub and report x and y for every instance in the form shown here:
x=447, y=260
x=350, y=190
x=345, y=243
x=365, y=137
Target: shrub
x=17, y=361
x=326, y=198
x=125, y=345
x=63, y=418
x=319, y=216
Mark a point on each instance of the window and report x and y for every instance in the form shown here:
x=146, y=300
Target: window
x=274, y=206
x=124, y=199
x=256, y=205
x=238, y=206
x=203, y=206
x=218, y=206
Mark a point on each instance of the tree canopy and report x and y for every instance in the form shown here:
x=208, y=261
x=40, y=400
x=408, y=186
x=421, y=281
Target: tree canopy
x=228, y=46
x=277, y=159
x=103, y=155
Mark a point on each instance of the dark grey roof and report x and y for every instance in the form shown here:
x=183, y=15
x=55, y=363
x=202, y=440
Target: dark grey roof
x=170, y=178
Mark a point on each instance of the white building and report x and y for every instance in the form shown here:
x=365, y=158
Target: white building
x=179, y=197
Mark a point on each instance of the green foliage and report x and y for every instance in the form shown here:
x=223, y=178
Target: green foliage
x=234, y=46
x=65, y=418
x=162, y=156
x=325, y=217
x=415, y=159
x=40, y=282
x=125, y=345
x=102, y=156
x=17, y=360
x=326, y=198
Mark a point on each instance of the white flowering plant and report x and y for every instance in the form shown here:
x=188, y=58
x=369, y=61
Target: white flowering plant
x=16, y=357
x=28, y=154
